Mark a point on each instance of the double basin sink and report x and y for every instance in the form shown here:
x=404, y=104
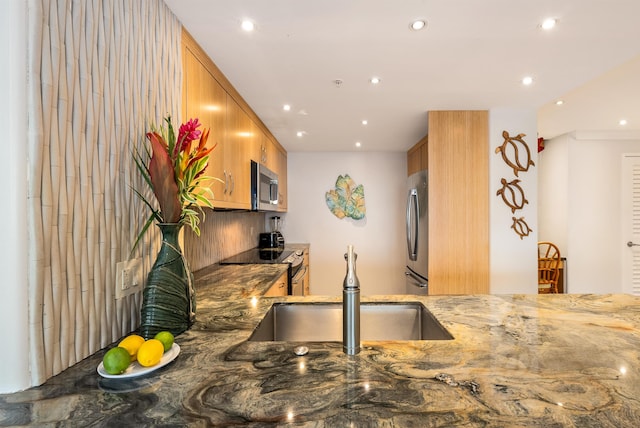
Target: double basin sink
x=322, y=322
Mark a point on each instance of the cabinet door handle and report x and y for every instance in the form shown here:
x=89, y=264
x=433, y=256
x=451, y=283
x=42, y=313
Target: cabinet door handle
x=233, y=183
x=225, y=181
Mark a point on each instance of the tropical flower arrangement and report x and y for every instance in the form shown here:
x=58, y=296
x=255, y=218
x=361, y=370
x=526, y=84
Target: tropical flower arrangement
x=174, y=169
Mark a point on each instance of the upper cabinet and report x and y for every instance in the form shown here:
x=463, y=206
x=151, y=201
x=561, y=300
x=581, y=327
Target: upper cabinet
x=239, y=135
x=418, y=156
x=237, y=167
x=205, y=99
x=263, y=149
x=280, y=167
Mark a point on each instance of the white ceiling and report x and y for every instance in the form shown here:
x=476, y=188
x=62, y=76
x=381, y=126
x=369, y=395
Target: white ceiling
x=472, y=55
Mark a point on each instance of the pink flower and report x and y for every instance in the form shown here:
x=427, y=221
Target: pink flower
x=188, y=132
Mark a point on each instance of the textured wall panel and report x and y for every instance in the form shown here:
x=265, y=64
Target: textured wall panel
x=222, y=234
x=100, y=72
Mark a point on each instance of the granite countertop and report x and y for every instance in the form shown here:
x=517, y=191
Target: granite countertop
x=516, y=360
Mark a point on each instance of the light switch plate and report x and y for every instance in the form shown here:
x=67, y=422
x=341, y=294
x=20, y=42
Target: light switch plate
x=128, y=277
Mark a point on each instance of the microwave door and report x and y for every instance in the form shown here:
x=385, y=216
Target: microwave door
x=264, y=188
x=273, y=192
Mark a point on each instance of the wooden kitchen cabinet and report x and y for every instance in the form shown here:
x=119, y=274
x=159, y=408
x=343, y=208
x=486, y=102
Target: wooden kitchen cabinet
x=206, y=100
x=237, y=168
x=279, y=288
x=263, y=149
x=238, y=132
x=458, y=202
x=280, y=168
x=230, y=128
x=418, y=156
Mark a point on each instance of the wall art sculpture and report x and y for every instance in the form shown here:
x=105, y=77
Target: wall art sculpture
x=512, y=194
x=347, y=199
x=516, y=154
x=511, y=154
x=521, y=227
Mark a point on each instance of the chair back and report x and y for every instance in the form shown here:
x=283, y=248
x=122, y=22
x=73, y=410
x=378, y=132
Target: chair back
x=548, y=267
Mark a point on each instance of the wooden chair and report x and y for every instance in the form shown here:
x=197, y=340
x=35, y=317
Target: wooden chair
x=548, y=267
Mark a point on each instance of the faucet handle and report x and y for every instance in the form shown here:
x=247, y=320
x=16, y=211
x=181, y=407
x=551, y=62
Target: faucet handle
x=350, y=252
x=351, y=280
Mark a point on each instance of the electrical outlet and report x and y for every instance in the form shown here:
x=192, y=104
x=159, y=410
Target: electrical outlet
x=128, y=277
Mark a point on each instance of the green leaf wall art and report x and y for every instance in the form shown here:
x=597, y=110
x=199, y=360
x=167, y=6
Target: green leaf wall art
x=347, y=199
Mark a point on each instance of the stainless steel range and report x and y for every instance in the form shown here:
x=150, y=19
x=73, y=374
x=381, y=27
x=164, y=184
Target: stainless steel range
x=294, y=258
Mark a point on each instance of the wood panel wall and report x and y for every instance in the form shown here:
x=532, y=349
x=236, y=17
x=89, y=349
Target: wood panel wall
x=458, y=202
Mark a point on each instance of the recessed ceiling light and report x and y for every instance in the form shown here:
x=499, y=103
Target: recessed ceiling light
x=364, y=122
x=623, y=122
x=300, y=133
x=375, y=80
x=286, y=107
x=248, y=25
x=559, y=102
x=358, y=144
x=418, y=24
x=527, y=80
x=548, y=23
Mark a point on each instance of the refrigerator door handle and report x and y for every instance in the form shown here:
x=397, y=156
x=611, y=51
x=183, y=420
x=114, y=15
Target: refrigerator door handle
x=418, y=282
x=412, y=214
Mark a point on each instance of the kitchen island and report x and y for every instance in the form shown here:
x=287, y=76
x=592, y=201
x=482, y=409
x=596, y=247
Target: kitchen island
x=516, y=360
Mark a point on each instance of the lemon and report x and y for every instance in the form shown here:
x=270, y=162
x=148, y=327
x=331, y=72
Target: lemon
x=132, y=343
x=150, y=352
x=166, y=337
x=116, y=360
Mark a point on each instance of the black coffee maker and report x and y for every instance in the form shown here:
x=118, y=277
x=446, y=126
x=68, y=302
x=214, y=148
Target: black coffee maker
x=273, y=239
x=275, y=228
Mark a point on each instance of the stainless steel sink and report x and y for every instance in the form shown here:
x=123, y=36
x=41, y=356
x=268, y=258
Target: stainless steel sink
x=322, y=322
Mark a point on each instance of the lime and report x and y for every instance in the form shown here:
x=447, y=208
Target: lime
x=131, y=343
x=150, y=352
x=166, y=338
x=116, y=360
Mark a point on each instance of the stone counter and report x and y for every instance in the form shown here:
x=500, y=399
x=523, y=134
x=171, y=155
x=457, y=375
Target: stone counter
x=550, y=360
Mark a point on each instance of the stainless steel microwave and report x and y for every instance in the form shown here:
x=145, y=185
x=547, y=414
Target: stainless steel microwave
x=264, y=188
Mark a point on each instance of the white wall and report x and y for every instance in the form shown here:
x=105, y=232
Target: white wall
x=14, y=370
x=593, y=245
x=513, y=261
x=553, y=191
x=379, y=239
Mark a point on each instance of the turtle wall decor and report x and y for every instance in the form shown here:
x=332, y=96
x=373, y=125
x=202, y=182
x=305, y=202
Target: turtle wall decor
x=516, y=154
x=512, y=194
x=511, y=154
x=521, y=227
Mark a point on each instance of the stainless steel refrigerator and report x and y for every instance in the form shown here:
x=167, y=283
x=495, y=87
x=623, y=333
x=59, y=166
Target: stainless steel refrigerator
x=417, y=234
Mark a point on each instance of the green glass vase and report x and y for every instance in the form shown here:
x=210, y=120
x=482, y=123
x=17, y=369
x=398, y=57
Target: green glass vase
x=168, y=299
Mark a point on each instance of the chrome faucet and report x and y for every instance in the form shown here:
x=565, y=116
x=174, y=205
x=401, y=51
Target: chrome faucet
x=351, y=306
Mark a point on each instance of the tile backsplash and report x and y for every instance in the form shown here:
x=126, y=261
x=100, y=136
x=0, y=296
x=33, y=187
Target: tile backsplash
x=222, y=234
